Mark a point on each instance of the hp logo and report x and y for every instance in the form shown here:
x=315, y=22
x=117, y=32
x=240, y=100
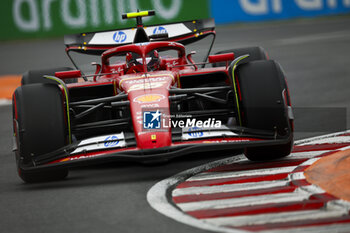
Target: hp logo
x=196, y=134
x=159, y=30
x=119, y=37
x=109, y=141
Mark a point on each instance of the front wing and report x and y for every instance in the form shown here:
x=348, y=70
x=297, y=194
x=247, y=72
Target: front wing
x=111, y=148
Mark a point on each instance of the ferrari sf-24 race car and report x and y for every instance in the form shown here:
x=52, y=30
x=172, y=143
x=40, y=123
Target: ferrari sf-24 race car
x=149, y=101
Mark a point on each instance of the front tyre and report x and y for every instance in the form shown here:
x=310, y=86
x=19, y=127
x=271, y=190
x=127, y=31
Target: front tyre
x=264, y=106
x=39, y=127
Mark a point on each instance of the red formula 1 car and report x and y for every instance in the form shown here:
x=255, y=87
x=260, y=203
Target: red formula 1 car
x=149, y=101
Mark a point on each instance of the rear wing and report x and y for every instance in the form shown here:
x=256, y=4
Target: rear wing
x=96, y=43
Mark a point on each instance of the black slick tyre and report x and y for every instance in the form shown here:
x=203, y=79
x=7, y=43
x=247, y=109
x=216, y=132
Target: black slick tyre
x=264, y=107
x=39, y=127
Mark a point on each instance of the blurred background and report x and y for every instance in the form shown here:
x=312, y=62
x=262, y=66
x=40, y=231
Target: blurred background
x=25, y=19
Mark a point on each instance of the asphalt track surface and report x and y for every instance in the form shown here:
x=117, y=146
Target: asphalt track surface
x=112, y=198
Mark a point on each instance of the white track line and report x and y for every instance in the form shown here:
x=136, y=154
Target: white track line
x=297, y=176
x=312, y=189
x=306, y=154
x=303, y=141
x=236, y=174
x=310, y=161
x=276, y=218
x=338, y=228
x=345, y=148
x=333, y=140
x=297, y=195
x=332, y=210
x=229, y=188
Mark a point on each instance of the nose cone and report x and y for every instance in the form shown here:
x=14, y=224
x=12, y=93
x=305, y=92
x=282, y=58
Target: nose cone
x=149, y=107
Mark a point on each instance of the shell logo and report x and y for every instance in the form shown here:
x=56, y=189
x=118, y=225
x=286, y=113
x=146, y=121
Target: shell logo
x=149, y=98
x=142, y=86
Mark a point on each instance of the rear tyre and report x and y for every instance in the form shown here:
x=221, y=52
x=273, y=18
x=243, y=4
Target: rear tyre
x=263, y=106
x=255, y=54
x=39, y=126
x=36, y=76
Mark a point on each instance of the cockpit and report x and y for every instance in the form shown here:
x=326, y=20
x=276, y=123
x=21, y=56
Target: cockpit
x=143, y=57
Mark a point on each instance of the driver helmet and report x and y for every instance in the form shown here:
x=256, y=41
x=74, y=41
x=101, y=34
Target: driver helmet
x=153, y=62
x=131, y=60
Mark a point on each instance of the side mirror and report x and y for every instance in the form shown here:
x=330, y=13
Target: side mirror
x=68, y=74
x=221, y=57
